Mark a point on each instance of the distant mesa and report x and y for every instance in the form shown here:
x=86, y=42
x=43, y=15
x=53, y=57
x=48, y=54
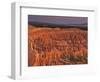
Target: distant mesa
x=82, y=26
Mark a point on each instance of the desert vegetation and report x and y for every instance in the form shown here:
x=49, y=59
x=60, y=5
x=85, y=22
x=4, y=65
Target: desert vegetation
x=56, y=46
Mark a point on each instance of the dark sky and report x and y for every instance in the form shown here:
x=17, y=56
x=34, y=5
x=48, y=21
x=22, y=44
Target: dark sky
x=57, y=19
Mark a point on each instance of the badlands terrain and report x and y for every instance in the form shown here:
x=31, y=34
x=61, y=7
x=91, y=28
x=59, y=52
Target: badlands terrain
x=57, y=46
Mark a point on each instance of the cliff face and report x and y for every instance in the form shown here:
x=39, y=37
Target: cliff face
x=55, y=46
